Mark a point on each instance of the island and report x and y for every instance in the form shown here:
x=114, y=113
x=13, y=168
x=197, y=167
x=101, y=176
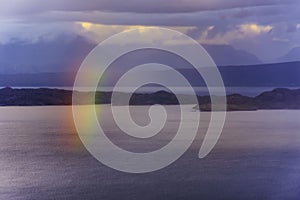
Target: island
x=279, y=98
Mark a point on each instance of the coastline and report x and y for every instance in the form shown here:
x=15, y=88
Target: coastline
x=277, y=99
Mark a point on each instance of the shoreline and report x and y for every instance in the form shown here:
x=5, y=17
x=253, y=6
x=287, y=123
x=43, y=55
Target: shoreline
x=277, y=99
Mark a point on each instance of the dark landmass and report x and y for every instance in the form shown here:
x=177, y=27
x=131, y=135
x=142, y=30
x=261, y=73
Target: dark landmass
x=235, y=102
x=280, y=98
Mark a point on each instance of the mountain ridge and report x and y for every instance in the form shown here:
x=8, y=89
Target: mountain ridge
x=263, y=75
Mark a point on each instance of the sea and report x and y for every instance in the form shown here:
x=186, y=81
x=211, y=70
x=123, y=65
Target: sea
x=42, y=157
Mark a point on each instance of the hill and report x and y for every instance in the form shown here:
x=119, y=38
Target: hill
x=276, y=99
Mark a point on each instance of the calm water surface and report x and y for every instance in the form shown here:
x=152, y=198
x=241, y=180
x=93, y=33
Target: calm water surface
x=41, y=157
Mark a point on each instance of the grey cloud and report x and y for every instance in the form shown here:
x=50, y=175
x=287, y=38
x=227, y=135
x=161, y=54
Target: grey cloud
x=274, y=10
x=225, y=15
x=191, y=19
x=14, y=7
x=266, y=15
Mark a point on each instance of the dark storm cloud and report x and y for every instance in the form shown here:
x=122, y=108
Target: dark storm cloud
x=221, y=18
x=46, y=19
x=136, y=6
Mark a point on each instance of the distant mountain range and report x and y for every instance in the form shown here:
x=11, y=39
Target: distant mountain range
x=67, y=53
x=224, y=55
x=276, y=99
x=264, y=75
x=292, y=55
x=63, y=54
x=54, y=64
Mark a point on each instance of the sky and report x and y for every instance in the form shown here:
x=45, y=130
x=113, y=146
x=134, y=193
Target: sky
x=269, y=29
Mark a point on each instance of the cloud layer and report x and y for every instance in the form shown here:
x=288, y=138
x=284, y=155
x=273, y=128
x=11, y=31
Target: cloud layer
x=134, y=6
x=268, y=29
